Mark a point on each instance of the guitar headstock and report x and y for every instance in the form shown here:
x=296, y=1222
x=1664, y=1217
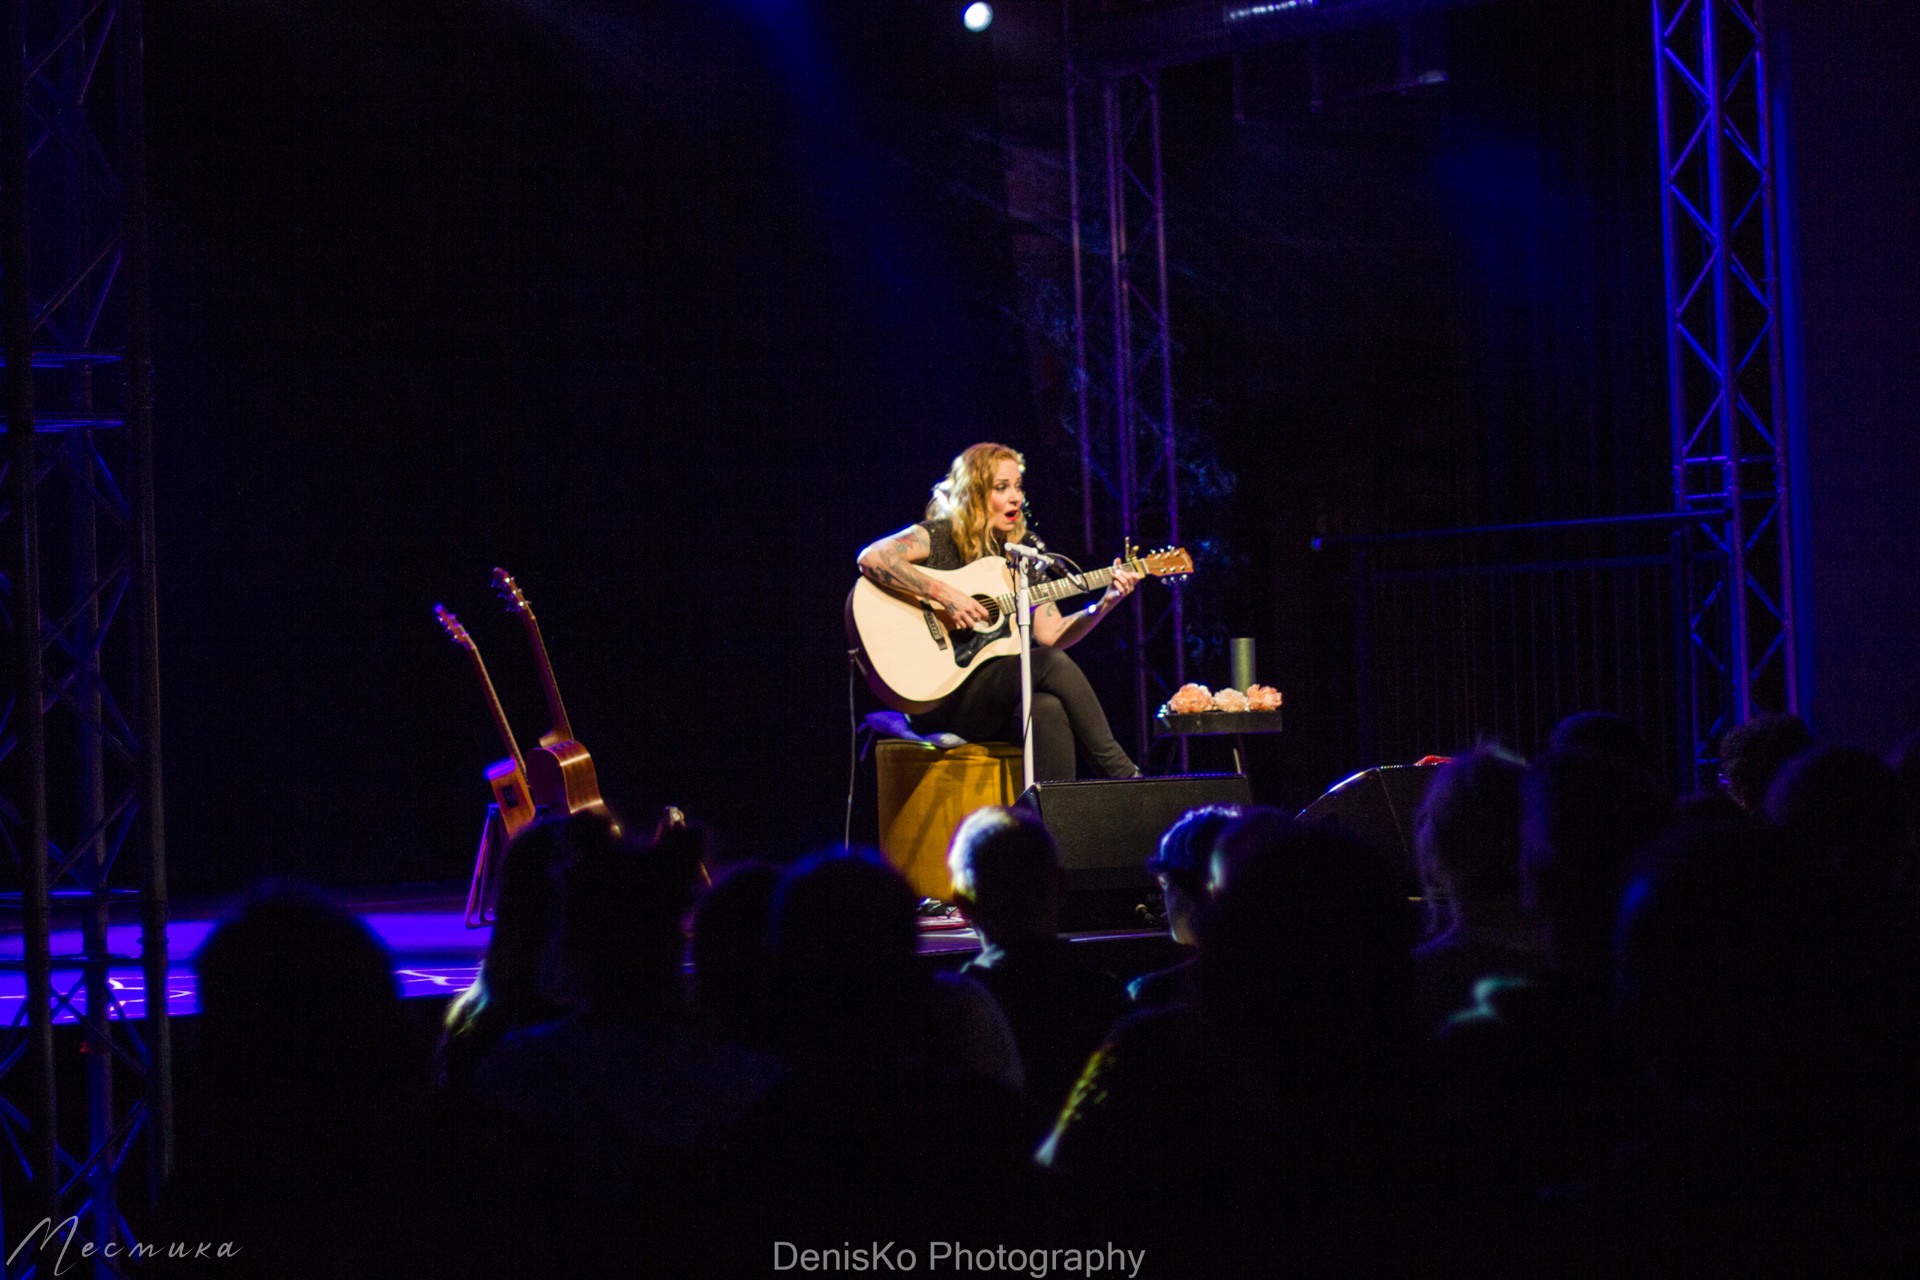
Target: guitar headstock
x=510, y=594
x=457, y=632
x=1171, y=562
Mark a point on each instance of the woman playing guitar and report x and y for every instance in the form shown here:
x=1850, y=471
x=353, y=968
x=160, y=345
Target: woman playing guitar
x=975, y=512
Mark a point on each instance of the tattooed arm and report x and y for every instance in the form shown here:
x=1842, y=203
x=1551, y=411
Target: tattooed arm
x=890, y=563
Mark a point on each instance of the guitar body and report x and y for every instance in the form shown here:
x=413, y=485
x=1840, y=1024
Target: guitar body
x=508, y=778
x=512, y=795
x=562, y=779
x=559, y=769
x=911, y=661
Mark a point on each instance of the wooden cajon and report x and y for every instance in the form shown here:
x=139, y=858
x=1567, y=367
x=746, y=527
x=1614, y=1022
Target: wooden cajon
x=925, y=791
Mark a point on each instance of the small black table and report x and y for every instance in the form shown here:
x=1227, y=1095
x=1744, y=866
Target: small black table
x=1217, y=724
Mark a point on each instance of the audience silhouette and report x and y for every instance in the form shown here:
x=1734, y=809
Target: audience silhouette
x=1007, y=879
x=1646, y=1036
x=518, y=982
x=634, y=1096
x=1183, y=864
x=878, y=1127
x=302, y=1139
x=1844, y=807
x=1770, y=1007
x=1753, y=752
x=1467, y=845
x=733, y=967
x=1602, y=733
x=1234, y=1131
x=1534, y=1077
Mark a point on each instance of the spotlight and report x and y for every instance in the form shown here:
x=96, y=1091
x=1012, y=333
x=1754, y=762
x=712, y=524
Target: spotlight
x=977, y=16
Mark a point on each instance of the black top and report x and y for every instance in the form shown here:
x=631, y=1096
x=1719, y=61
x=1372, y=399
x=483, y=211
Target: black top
x=944, y=552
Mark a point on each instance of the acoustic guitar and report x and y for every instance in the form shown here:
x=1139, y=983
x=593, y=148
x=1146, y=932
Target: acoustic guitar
x=508, y=777
x=913, y=662
x=559, y=769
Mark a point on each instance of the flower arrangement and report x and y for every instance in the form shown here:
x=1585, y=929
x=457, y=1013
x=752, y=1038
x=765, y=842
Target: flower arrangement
x=1192, y=699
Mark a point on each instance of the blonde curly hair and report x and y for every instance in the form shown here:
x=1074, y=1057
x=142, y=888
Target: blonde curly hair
x=961, y=499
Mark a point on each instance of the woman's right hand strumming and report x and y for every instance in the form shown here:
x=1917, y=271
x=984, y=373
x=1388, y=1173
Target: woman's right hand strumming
x=956, y=609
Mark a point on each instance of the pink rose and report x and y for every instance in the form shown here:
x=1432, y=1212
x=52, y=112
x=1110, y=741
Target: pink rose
x=1229, y=700
x=1261, y=697
x=1189, y=699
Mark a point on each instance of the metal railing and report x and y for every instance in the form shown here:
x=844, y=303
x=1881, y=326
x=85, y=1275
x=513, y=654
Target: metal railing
x=1496, y=633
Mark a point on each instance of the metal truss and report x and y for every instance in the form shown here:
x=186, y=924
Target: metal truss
x=1123, y=353
x=1726, y=370
x=1727, y=404
x=80, y=797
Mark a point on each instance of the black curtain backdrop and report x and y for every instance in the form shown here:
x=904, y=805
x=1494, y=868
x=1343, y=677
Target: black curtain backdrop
x=1848, y=75
x=447, y=286
x=1412, y=312
x=670, y=308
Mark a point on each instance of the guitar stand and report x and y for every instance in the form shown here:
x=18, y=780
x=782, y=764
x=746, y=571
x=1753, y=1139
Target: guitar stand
x=486, y=869
x=483, y=891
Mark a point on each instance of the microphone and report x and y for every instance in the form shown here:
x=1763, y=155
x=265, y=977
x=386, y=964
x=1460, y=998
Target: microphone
x=1018, y=551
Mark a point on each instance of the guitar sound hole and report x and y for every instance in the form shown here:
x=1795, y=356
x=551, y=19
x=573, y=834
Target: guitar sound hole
x=993, y=615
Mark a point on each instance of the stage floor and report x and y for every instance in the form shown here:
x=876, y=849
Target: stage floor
x=434, y=953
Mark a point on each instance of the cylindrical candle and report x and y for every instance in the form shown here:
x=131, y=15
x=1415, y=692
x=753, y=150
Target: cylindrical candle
x=1242, y=647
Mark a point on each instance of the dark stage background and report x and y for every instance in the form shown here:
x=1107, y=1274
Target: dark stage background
x=671, y=307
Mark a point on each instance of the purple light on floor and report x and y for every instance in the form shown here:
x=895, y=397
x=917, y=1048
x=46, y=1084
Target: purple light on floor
x=428, y=933
x=434, y=954
x=436, y=980
x=183, y=993
x=183, y=939
x=128, y=986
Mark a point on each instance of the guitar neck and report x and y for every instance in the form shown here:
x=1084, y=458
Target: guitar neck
x=1072, y=584
x=493, y=705
x=562, y=731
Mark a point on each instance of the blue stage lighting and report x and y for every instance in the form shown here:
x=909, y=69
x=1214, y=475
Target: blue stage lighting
x=977, y=16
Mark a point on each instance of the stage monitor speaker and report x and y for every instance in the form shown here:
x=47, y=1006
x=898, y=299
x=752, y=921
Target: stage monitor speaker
x=1106, y=828
x=1377, y=807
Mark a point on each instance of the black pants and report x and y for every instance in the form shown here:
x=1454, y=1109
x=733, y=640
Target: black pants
x=1065, y=710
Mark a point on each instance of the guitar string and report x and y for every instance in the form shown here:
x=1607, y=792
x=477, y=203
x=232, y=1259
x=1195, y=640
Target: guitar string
x=1079, y=580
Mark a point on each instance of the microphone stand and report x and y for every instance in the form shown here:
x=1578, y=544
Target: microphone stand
x=1023, y=559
